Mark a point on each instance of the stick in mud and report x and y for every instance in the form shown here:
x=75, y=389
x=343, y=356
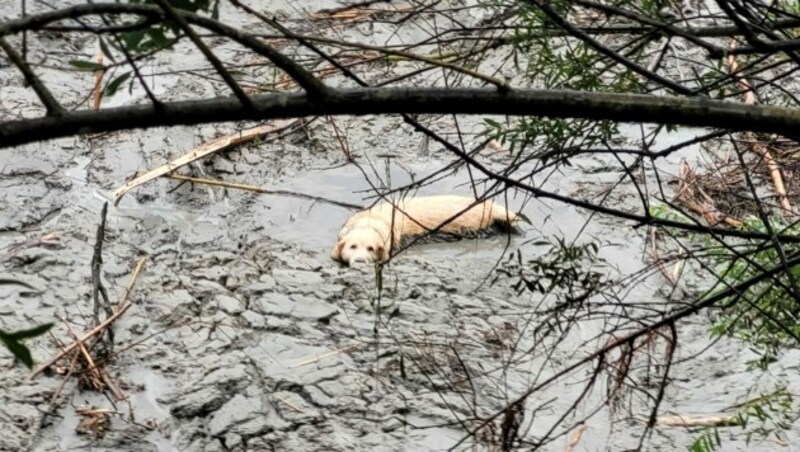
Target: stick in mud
x=98, y=288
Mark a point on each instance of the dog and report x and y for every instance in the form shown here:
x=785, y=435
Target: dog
x=371, y=235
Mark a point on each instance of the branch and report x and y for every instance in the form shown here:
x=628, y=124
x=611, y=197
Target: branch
x=666, y=321
x=303, y=77
x=50, y=102
x=664, y=27
x=215, y=62
x=600, y=48
x=306, y=41
x=636, y=108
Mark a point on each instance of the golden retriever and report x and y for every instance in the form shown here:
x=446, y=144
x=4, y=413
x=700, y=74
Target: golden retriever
x=368, y=236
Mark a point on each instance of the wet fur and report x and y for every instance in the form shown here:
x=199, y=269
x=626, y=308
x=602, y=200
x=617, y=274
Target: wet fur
x=374, y=233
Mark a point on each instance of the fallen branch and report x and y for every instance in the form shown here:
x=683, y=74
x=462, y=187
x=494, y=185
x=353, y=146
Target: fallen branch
x=671, y=276
x=124, y=304
x=256, y=189
x=721, y=420
x=51, y=238
x=219, y=144
x=355, y=13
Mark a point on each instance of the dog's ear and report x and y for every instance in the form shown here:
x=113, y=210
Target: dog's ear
x=336, y=252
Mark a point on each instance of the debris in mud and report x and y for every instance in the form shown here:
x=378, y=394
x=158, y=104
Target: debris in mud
x=693, y=193
x=94, y=421
x=80, y=341
x=722, y=191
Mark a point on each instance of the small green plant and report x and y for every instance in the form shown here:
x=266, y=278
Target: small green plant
x=767, y=315
x=763, y=416
x=566, y=270
x=708, y=441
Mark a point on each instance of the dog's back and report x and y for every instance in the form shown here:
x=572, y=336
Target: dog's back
x=446, y=214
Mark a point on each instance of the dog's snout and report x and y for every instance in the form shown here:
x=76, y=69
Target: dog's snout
x=359, y=260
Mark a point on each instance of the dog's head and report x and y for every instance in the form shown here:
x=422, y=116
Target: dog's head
x=360, y=246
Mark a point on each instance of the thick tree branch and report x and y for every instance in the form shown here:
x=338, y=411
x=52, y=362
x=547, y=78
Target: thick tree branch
x=636, y=108
x=621, y=107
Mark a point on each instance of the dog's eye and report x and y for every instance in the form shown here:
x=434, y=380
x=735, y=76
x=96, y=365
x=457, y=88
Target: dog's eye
x=370, y=249
x=353, y=246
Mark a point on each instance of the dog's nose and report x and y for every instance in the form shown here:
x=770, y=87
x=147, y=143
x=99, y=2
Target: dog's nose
x=359, y=261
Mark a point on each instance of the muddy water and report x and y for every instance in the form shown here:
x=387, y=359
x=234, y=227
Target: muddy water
x=245, y=336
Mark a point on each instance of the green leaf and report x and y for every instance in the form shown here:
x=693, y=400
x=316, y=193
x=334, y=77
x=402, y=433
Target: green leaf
x=492, y=123
x=106, y=50
x=132, y=39
x=20, y=352
x=524, y=218
x=114, y=85
x=87, y=66
x=27, y=334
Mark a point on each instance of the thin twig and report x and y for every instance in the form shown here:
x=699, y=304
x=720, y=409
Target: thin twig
x=500, y=84
x=98, y=288
x=97, y=92
x=266, y=191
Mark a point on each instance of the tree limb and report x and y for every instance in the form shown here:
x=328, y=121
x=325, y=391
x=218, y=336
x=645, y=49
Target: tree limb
x=636, y=108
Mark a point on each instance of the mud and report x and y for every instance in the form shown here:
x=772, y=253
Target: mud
x=246, y=336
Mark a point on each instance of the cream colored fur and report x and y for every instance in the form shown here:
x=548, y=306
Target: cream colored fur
x=368, y=235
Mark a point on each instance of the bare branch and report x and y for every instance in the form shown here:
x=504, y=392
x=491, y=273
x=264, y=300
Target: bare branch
x=574, y=31
x=50, y=102
x=304, y=78
x=237, y=90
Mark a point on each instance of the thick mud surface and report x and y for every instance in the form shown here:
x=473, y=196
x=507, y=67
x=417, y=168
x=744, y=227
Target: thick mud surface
x=244, y=334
